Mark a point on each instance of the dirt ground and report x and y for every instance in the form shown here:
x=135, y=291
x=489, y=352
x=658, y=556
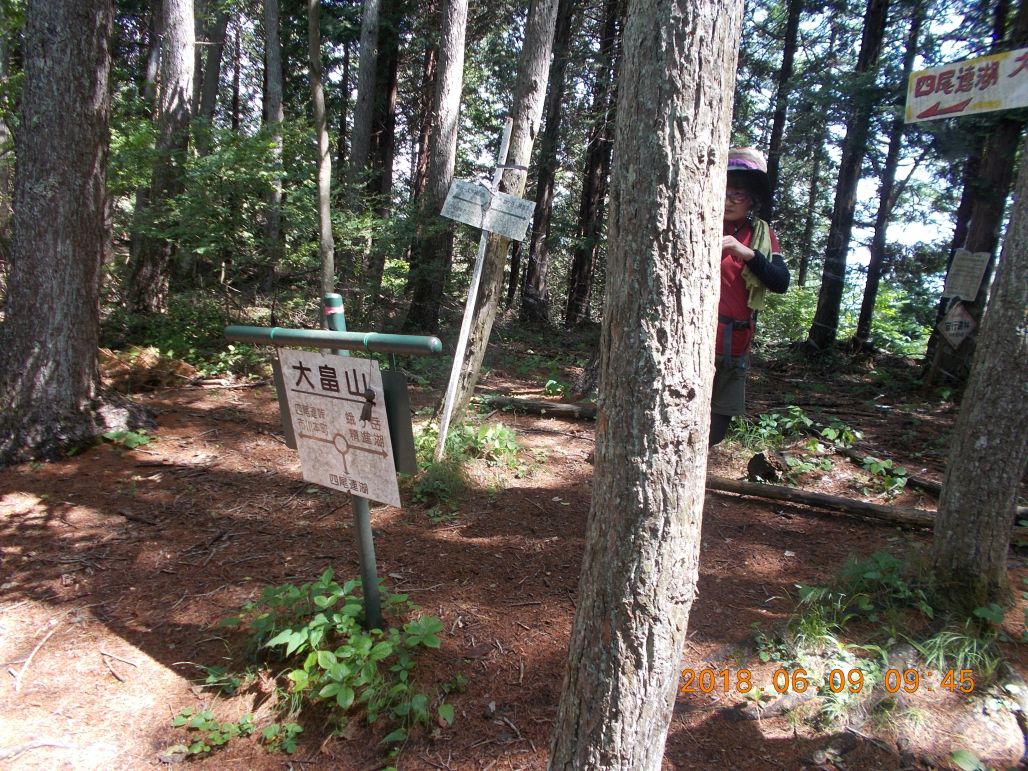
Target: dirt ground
x=117, y=565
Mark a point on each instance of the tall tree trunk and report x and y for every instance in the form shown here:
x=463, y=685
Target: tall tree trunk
x=640, y=568
x=325, y=241
x=49, y=379
x=419, y=175
x=825, y=326
x=597, y=171
x=211, y=80
x=237, y=68
x=887, y=192
x=344, y=104
x=151, y=274
x=432, y=250
x=6, y=168
x=990, y=189
x=990, y=440
x=774, y=150
x=534, y=297
x=148, y=91
x=529, y=92
x=807, y=240
x=363, y=111
x=275, y=115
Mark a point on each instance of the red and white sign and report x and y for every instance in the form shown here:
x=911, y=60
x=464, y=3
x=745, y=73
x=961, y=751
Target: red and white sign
x=986, y=84
x=956, y=325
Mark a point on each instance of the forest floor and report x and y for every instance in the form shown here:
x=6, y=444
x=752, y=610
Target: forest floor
x=117, y=565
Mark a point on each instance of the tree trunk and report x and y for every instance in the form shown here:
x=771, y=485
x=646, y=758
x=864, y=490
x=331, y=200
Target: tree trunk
x=325, y=240
x=597, y=171
x=419, y=175
x=807, y=240
x=49, y=380
x=211, y=81
x=151, y=274
x=275, y=115
x=990, y=439
x=825, y=327
x=363, y=111
x=990, y=190
x=140, y=211
x=887, y=193
x=640, y=568
x=534, y=297
x=432, y=250
x=237, y=67
x=529, y=91
x=344, y=104
x=6, y=169
x=774, y=150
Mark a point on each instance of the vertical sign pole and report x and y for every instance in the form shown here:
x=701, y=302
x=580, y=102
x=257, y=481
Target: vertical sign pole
x=469, y=307
x=335, y=320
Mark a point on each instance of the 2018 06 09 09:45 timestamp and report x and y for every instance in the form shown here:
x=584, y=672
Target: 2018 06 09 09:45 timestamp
x=835, y=680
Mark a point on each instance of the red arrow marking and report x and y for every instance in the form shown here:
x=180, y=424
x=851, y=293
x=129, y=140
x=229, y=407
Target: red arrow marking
x=935, y=110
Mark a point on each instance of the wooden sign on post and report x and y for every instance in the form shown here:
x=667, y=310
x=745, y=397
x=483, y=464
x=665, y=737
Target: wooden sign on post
x=495, y=212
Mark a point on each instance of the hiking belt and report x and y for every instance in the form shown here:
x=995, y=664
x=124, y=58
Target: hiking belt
x=730, y=326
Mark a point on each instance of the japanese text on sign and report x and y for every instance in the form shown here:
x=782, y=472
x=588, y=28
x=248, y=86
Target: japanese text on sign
x=956, y=325
x=995, y=82
x=337, y=409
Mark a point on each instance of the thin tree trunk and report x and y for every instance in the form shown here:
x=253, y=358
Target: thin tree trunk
x=275, y=115
x=515, y=271
x=149, y=93
x=363, y=112
x=325, y=240
x=344, y=104
x=529, y=93
x=887, y=193
x=640, y=569
x=990, y=440
x=597, y=172
x=774, y=150
x=49, y=379
x=211, y=81
x=807, y=240
x=237, y=67
x=432, y=250
x=6, y=170
x=534, y=297
x=419, y=177
x=151, y=274
x=825, y=326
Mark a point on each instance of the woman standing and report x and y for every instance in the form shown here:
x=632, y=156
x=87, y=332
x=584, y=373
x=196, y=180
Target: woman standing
x=751, y=264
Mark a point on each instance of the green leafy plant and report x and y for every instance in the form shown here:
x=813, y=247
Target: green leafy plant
x=441, y=486
x=129, y=439
x=315, y=634
x=798, y=467
x=282, y=737
x=769, y=429
x=840, y=435
x=891, y=479
x=555, y=388
x=209, y=732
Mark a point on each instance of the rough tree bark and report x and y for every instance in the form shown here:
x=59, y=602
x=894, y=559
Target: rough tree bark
x=363, y=111
x=534, y=299
x=274, y=116
x=432, y=249
x=151, y=272
x=774, y=147
x=825, y=326
x=326, y=243
x=210, y=80
x=49, y=380
x=597, y=170
x=640, y=567
x=887, y=191
x=529, y=91
x=990, y=440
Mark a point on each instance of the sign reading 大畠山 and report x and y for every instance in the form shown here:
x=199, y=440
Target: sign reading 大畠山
x=338, y=414
x=988, y=83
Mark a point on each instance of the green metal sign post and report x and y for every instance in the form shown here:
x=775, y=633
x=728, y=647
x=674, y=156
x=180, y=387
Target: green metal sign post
x=397, y=407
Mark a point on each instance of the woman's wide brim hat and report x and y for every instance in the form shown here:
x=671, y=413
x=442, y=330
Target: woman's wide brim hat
x=747, y=165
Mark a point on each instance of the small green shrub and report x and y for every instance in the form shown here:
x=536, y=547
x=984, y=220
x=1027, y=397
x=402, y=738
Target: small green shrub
x=769, y=429
x=890, y=478
x=129, y=439
x=441, y=487
x=209, y=732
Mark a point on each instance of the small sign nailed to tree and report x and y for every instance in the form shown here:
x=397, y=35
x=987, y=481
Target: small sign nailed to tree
x=995, y=82
x=495, y=212
x=956, y=325
x=965, y=274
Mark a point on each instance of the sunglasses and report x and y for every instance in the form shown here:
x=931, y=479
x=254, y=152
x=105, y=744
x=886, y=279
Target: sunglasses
x=737, y=196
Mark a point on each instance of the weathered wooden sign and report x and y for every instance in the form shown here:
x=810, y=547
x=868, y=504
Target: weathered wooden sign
x=965, y=274
x=475, y=204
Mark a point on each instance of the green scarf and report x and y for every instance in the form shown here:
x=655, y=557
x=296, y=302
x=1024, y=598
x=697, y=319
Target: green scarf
x=761, y=242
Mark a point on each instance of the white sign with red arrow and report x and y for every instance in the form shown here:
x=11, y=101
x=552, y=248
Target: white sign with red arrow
x=989, y=83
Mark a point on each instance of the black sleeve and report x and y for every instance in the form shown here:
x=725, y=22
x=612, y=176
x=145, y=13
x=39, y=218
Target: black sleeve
x=772, y=273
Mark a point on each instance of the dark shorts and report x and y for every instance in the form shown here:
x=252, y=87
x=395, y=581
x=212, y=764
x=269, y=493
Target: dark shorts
x=728, y=397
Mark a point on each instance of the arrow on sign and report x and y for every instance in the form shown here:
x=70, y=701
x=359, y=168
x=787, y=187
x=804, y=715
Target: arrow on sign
x=935, y=110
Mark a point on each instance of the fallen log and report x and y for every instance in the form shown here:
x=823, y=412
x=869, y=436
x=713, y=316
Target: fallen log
x=535, y=407
x=893, y=515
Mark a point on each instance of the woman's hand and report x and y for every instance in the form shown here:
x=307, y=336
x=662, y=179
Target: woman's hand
x=732, y=245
